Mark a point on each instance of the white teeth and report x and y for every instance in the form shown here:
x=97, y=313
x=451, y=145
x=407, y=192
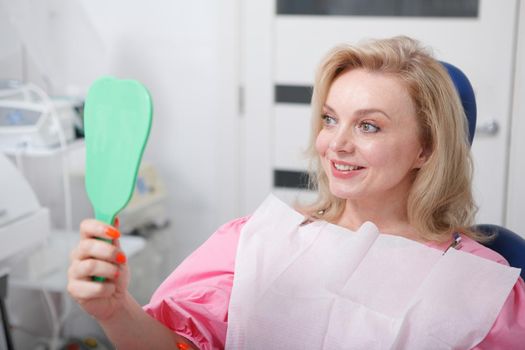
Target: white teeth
x=345, y=167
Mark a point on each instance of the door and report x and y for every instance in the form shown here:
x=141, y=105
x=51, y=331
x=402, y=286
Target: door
x=284, y=40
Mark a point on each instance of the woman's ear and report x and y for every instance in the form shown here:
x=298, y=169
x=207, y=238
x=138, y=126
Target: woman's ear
x=422, y=157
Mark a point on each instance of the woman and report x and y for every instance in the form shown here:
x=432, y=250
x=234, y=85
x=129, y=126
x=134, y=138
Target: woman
x=369, y=265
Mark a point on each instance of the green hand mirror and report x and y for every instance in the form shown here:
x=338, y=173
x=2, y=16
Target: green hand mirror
x=117, y=122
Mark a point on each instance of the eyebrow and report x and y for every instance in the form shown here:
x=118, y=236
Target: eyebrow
x=361, y=112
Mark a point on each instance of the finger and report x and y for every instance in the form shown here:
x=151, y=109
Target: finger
x=116, y=222
x=84, y=290
x=93, y=228
x=98, y=249
x=84, y=269
x=116, y=243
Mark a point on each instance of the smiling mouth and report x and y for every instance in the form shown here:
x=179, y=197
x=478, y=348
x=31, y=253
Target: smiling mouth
x=346, y=167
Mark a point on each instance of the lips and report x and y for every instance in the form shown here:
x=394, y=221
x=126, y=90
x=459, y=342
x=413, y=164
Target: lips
x=345, y=170
x=343, y=166
x=346, y=167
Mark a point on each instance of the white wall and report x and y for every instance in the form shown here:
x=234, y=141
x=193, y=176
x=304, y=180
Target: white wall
x=185, y=52
x=516, y=180
x=10, y=50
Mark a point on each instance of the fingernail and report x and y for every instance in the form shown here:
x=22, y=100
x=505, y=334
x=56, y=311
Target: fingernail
x=112, y=232
x=121, y=258
x=116, y=222
x=183, y=346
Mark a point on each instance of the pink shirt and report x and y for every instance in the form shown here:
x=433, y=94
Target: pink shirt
x=193, y=301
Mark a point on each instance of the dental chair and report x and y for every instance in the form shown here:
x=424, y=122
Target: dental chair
x=507, y=243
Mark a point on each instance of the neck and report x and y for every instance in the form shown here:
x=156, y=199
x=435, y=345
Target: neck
x=388, y=213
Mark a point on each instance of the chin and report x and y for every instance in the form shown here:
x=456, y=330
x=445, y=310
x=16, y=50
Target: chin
x=343, y=193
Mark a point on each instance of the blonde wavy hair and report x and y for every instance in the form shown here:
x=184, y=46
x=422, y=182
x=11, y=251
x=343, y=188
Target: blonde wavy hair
x=440, y=200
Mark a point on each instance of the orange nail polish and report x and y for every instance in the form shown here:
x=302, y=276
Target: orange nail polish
x=116, y=222
x=182, y=346
x=112, y=232
x=121, y=258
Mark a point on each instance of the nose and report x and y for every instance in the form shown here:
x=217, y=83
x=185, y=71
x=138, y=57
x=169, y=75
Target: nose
x=342, y=141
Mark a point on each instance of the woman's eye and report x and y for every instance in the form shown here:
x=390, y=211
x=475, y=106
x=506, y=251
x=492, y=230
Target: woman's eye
x=368, y=127
x=328, y=120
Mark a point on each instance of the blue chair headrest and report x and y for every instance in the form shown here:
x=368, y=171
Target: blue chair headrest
x=466, y=95
x=509, y=244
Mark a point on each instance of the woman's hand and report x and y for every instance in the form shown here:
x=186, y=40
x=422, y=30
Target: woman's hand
x=124, y=321
x=96, y=257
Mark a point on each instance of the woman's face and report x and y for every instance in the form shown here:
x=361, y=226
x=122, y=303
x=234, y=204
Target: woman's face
x=369, y=143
